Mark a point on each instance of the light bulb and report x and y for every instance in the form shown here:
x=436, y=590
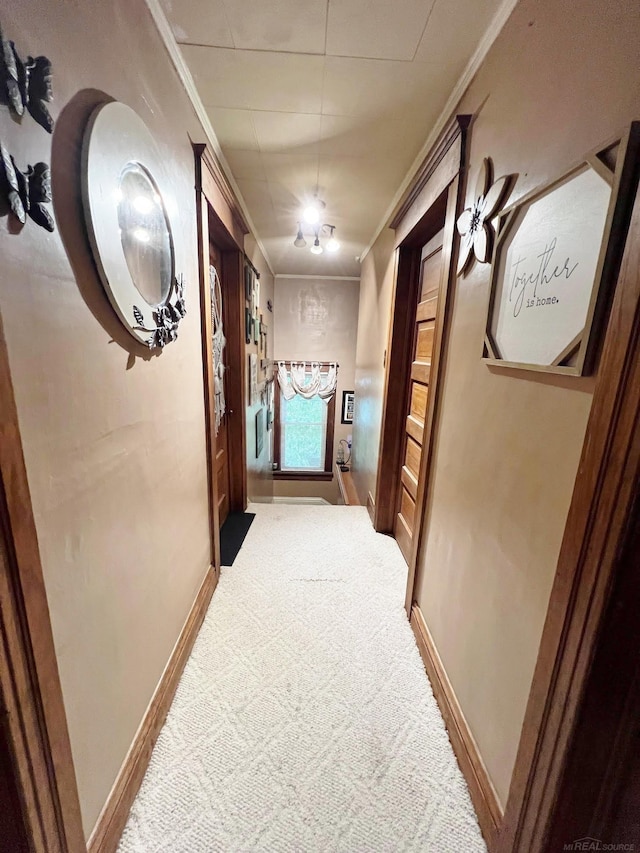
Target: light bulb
x=316, y=249
x=300, y=242
x=311, y=214
x=333, y=245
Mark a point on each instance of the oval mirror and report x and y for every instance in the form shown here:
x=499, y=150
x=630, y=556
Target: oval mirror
x=145, y=233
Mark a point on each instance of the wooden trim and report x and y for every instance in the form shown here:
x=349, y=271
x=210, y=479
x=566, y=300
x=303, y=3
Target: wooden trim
x=112, y=820
x=325, y=476
x=371, y=506
x=213, y=182
x=34, y=718
x=458, y=126
x=347, y=487
x=598, y=520
x=441, y=333
x=483, y=794
x=331, y=426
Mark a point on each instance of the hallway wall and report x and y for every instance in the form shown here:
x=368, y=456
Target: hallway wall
x=561, y=79
x=317, y=319
x=113, y=438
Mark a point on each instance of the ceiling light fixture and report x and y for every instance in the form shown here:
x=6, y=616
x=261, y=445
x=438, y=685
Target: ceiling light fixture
x=316, y=230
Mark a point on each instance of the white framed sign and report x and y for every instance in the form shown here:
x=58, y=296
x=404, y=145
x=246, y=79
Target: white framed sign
x=549, y=262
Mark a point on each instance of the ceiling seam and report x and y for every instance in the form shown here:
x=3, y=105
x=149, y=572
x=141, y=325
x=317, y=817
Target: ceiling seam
x=188, y=83
x=424, y=29
x=319, y=55
x=490, y=35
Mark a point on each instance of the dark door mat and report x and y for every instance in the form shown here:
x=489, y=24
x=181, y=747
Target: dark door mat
x=232, y=535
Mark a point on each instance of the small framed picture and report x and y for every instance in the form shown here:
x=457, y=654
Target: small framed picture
x=259, y=432
x=248, y=325
x=347, y=407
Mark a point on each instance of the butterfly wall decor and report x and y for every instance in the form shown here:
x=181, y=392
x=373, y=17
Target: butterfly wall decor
x=25, y=86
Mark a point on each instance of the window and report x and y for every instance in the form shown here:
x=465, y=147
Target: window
x=303, y=437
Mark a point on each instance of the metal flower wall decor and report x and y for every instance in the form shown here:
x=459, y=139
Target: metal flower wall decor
x=26, y=85
x=166, y=316
x=474, y=224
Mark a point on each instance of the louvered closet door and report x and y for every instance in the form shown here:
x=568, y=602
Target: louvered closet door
x=424, y=329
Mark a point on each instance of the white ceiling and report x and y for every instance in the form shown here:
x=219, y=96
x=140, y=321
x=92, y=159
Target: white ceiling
x=337, y=96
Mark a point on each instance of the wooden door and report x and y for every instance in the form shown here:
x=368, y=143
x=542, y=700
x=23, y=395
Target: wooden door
x=221, y=462
x=416, y=403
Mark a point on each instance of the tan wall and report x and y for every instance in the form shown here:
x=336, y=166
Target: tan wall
x=259, y=474
x=376, y=294
x=560, y=79
x=114, y=441
x=318, y=319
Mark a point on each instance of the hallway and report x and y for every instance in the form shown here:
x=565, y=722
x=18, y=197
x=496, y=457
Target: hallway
x=304, y=720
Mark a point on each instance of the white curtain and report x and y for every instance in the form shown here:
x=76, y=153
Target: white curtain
x=295, y=380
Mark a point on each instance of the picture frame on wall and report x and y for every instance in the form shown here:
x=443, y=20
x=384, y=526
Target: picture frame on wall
x=259, y=432
x=554, y=266
x=253, y=379
x=248, y=325
x=348, y=399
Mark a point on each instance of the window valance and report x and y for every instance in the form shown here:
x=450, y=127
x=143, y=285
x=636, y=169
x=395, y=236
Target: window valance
x=308, y=379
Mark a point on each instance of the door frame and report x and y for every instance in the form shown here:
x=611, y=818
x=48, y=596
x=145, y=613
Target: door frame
x=435, y=198
x=220, y=220
x=31, y=705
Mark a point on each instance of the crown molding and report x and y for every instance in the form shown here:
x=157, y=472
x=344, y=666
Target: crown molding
x=323, y=277
x=458, y=126
x=186, y=78
x=490, y=35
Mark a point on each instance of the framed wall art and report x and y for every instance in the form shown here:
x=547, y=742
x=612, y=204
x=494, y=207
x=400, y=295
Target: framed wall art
x=253, y=379
x=554, y=263
x=259, y=432
x=348, y=398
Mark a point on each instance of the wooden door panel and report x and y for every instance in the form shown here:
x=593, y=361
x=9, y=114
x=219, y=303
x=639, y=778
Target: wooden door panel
x=431, y=268
x=418, y=404
x=424, y=332
x=421, y=372
x=424, y=341
x=407, y=509
x=427, y=310
x=415, y=428
x=403, y=537
x=409, y=482
x=412, y=457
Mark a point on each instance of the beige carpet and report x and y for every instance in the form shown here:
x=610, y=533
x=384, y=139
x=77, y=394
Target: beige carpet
x=304, y=720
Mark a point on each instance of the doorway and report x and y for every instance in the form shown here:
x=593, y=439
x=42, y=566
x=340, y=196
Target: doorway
x=221, y=230
x=415, y=408
x=221, y=460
